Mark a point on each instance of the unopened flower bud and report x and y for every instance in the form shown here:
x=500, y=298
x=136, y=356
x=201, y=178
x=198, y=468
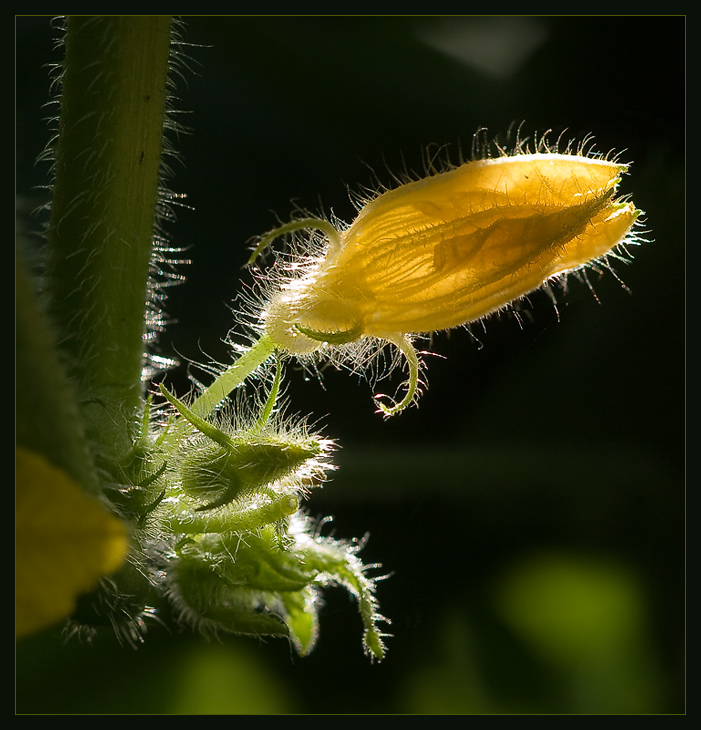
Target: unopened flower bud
x=267, y=590
x=220, y=474
x=219, y=466
x=450, y=249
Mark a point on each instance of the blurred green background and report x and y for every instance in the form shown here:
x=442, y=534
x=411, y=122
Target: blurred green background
x=531, y=510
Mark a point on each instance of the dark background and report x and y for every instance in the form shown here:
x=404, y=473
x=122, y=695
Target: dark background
x=531, y=509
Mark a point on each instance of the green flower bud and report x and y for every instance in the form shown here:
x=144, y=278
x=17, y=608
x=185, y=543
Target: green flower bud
x=269, y=589
x=222, y=474
x=212, y=604
x=220, y=466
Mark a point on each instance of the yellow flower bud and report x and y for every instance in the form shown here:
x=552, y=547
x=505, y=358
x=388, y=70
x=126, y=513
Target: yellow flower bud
x=450, y=249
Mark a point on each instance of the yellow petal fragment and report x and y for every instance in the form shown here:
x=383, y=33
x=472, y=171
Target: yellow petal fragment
x=65, y=542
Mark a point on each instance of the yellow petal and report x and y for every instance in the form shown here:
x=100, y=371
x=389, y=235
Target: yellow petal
x=450, y=249
x=65, y=542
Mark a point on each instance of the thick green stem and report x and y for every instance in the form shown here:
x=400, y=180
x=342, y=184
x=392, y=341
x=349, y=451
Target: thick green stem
x=108, y=161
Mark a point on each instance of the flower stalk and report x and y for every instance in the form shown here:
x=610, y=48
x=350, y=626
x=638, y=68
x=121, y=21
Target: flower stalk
x=233, y=376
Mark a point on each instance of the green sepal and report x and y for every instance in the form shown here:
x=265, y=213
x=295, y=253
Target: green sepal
x=332, y=338
x=302, y=618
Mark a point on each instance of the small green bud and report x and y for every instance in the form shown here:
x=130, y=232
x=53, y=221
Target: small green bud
x=210, y=603
x=266, y=591
x=222, y=466
x=269, y=589
x=222, y=474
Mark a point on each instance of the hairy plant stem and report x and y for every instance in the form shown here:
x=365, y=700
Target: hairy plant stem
x=104, y=210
